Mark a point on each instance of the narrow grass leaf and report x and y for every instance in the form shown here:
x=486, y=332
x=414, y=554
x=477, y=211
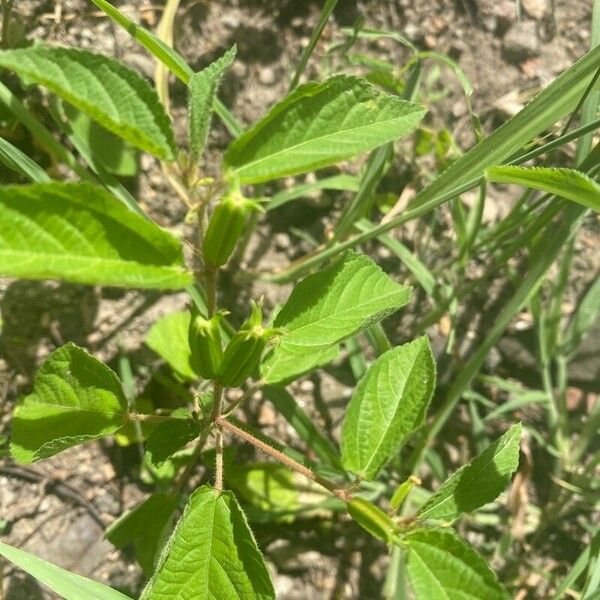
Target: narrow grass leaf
x=212, y=554
x=477, y=482
x=549, y=106
x=342, y=182
x=75, y=398
x=318, y=125
x=566, y=183
x=582, y=319
x=17, y=161
x=293, y=413
x=166, y=55
x=143, y=527
x=68, y=585
x=80, y=233
x=388, y=404
x=441, y=565
x=203, y=88
x=107, y=91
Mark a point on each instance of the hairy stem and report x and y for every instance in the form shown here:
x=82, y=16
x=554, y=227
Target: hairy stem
x=217, y=409
x=183, y=479
x=223, y=423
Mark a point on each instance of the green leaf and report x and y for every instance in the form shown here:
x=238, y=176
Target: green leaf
x=166, y=55
x=203, y=88
x=108, y=152
x=15, y=160
x=320, y=124
x=337, y=302
x=282, y=365
x=388, y=404
x=170, y=436
x=106, y=90
x=477, y=482
x=79, y=232
x=211, y=554
x=440, y=565
x=168, y=337
x=75, y=398
x=267, y=486
x=68, y=585
x=566, y=183
x=553, y=103
x=144, y=527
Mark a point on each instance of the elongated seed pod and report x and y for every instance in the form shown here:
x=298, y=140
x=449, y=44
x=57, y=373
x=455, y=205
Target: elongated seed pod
x=225, y=227
x=241, y=357
x=245, y=348
x=373, y=519
x=402, y=491
x=205, y=345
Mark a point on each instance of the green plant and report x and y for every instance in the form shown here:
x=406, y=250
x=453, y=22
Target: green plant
x=94, y=232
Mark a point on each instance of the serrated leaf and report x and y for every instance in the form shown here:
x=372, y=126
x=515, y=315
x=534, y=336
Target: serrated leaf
x=166, y=55
x=320, y=124
x=106, y=90
x=478, y=482
x=337, y=302
x=566, y=183
x=80, y=233
x=203, y=88
x=440, y=565
x=168, y=337
x=75, y=398
x=68, y=585
x=108, y=151
x=388, y=404
x=170, y=436
x=282, y=365
x=144, y=527
x=212, y=554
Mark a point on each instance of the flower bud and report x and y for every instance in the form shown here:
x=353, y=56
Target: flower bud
x=226, y=226
x=245, y=349
x=204, y=338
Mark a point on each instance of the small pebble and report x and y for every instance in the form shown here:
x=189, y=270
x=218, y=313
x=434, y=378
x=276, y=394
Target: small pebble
x=520, y=42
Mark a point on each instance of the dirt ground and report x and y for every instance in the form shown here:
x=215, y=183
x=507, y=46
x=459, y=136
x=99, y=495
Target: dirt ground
x=58, y=508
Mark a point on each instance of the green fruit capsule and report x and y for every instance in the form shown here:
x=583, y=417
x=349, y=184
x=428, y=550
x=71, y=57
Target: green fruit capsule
x=226, y=226
x=402, y=491
x=204, y=337
x=373, y=519
x=245, y=349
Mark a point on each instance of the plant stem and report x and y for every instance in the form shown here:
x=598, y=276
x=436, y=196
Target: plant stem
x=6, y=10
x=189, y=469
x=223, y=423
x=141, y=417
x=217, y=409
